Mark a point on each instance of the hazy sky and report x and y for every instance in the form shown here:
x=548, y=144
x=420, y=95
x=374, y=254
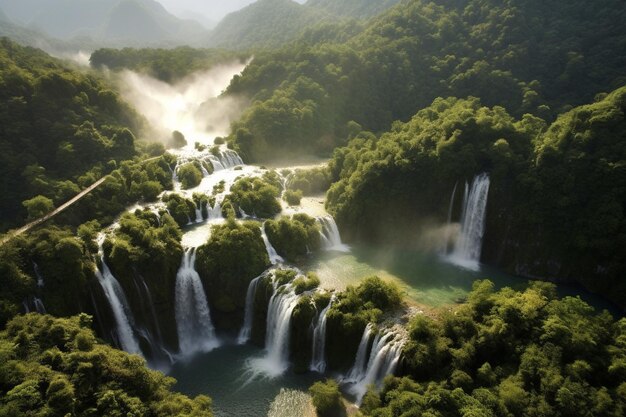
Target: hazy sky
x=211, y=9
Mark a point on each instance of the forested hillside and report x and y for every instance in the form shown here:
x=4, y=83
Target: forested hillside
x=353, y=8
x=530, y=57
x=167, y=65
x=265, y=24
x=56, y=125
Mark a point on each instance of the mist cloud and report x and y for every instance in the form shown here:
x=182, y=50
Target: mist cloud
x=191, y=106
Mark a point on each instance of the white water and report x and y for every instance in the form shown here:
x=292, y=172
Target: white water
x=193, y=318
x=276, y=359
x=40, y=280
x=358, y=369
x=39, y=307
x=383, y=360
x=469, y=244
x=331, y=240
x=318, y=359
x=119, y=305
x=246, y=329
x=271, y=252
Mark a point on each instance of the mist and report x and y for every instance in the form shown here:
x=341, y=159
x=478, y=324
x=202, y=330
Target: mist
x=191, y=106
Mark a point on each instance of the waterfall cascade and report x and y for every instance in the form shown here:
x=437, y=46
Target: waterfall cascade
x=318, y=359
x=40, y=280
x=193, y=318
x=276, y=359
x=271, y=252
x=331, y=240
x=199, y=218
x=119, y=306
x=246, y=329
x=39, y=307
x=358, y=369
x=382, y=360
x=468, y=247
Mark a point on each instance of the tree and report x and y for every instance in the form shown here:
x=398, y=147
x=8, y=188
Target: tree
x=327, y=399
x=38, y=206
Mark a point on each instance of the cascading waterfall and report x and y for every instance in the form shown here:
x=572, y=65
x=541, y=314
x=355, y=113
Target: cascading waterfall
x=246, y=329
x=280, y=308
x=271, y=252
x=230, y=158
x=215, y=212
x=468, y=247
x=318, y=359
x=331, y=239
x=40, y=280
x=383, y=360
x=358, y=369
x=193, y=318
x=39, y=307
x=119, y=306
x=199, y=218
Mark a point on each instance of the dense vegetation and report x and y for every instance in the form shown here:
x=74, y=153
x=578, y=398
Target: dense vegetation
x=557, y=196
x=56, y=367
x=167, y=65
x=233, y=256
x=57, y=128
x=353, y=310
x=256, y=196
x=295, y=237
x=545, y=57
x=264, y=24
x=510, y=353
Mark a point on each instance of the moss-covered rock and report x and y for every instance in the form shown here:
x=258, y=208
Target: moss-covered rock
x=293, y=238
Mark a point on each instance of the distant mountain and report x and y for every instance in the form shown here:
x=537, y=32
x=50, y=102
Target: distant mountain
x=353, y=8
x=106, y=22
x=266, y=23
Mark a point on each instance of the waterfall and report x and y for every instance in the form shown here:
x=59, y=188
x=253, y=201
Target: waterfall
x=119, y=305
x=276, y=359
x=205, y=173
x=318, y=360
x=383, y=361
x=230, y=158
x=215, y=212
x=199, y=218
x=331, y=240
x=39, y=307
x=358, y=369
x=193, y=318
x=144, y=291
x=469, y=244
x=40, y=281
x=271, y=252
x=246, y=329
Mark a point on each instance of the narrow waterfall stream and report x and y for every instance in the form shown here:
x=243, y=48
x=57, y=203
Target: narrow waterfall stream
x=468, y=247
x=331, y=239
x=275, y=258
x=276, y=359
x=193, y=318
x=318, y=360
x=246, y=329
x=120, y=308
x=382, y=360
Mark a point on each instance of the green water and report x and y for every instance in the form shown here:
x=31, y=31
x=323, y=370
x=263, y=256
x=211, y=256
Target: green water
x=222, y=375
x=426, y=279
